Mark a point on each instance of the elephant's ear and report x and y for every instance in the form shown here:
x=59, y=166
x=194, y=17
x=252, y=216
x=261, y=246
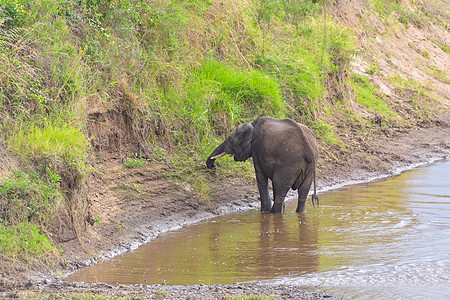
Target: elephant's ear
x=242, y=143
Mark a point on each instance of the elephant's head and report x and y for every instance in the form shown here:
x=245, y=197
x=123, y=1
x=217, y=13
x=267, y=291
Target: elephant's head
x=238, y=144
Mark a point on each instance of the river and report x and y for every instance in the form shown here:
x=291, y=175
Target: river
x=381, y=240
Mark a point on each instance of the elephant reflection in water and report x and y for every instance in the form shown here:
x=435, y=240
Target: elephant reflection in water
x=283, y=151
x=286, y=247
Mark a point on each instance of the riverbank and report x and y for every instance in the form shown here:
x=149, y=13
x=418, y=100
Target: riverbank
x=60, y=290
x=394, y=153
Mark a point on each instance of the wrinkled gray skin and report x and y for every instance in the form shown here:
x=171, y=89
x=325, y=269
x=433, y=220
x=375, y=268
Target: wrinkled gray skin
x=283, y=151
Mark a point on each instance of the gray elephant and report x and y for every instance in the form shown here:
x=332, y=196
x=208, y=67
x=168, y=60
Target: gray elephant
x=283, y=151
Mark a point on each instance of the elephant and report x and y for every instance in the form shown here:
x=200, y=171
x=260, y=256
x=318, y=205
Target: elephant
x=283, y=151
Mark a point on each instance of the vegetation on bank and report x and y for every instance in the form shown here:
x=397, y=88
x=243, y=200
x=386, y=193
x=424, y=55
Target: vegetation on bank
x=186, y=72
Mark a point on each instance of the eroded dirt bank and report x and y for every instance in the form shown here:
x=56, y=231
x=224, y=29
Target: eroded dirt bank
x=135, y=205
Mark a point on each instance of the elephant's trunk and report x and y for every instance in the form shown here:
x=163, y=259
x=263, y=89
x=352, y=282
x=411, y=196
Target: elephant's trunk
x=218, y=152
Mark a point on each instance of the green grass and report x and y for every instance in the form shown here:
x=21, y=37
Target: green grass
x=30, y=198
x=242, y=92
x=306, y=60
x=24, y=242
x=326, y=132
x=60, y=142
x=12, y=12
x=134, y=163
x=367, y=95
x=413, y=90
x=385, y=7
x=214, y=99
x=404, y=13
x=439, y=74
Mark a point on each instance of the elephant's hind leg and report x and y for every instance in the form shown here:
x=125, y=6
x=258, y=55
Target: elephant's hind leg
x=303, y=191
x=301, y=207
x=279, y=193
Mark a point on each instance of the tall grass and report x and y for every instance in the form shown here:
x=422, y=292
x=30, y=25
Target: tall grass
x=215, y=98
x=64, y=143
x=306, y=60
x=29, y=198
x=25, y=242
x=255, y=91
x=27, y=203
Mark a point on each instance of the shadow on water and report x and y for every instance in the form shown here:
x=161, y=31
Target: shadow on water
x=381, y=240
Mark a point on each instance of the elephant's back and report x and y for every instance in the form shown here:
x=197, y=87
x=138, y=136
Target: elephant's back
x=284, y=138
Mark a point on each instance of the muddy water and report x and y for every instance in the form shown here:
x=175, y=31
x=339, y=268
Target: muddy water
x=382, y=240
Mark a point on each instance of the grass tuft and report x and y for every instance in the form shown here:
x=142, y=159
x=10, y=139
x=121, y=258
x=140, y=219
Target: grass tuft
x=25, y=242
x=65, y=143
x=367, y=95
x=25, y=197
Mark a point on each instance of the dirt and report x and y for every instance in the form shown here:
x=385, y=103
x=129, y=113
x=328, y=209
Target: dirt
x=193, y=292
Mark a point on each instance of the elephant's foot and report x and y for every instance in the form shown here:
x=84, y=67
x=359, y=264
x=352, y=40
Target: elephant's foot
x=278, y=208
x=301, y=206
x=265, y=209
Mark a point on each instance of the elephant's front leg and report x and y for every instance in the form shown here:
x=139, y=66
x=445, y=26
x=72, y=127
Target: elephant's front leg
x=263, y=188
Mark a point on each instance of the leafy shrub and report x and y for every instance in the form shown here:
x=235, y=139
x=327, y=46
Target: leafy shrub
x=28, y=198
x=25, y=242
x=13, y=12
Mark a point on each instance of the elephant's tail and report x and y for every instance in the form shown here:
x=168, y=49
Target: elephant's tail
x=314, y=195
